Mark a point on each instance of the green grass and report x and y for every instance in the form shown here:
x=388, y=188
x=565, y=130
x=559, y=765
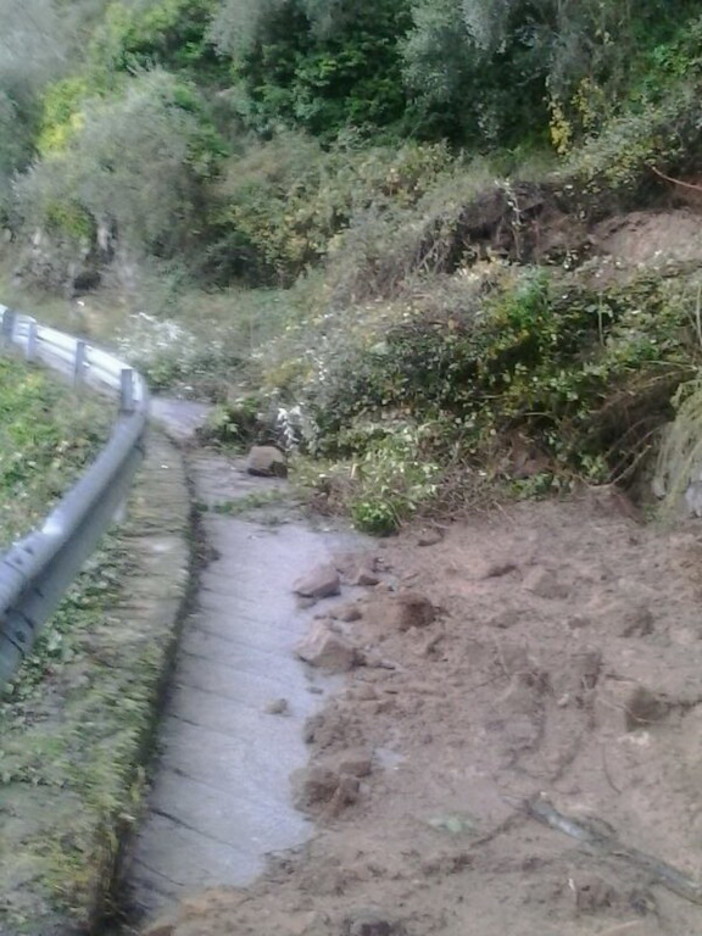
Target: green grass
x=77, y=723
x=48, y=433
x=69, y=726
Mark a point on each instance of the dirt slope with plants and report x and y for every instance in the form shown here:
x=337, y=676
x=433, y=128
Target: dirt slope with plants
x=515, y=756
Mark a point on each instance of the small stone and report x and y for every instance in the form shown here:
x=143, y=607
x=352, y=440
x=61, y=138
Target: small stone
x=592, y=894
x=498, y=569
x=327, y=650
x=278, y=707
x=365, y=576
x=322, y=582
x=637, y=622
x=320, y=789
x=506, y=618
x=579, y=621
x=408, y=609
x=347, y=613
x=345, y=795
x=303, y=603
x=266, y=461
x=356, y=762
x=313, y=786
x=643, y=708
x=429, y=537
x=365, y=693
x=545, y=584
x=371, y=922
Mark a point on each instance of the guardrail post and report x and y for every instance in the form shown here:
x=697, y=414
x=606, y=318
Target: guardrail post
x=79, y=363
x=126, y=402
x=32, y=337
x=8, y=325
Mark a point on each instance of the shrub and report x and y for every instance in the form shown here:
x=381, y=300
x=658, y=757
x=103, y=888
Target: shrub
x=283, y=203
x=317, y=65
x=614, y=168
x=394, y=479
x=170, y=34
x=584, y=378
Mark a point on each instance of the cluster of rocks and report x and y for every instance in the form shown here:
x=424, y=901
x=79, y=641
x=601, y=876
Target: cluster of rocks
x=333, y=644
x=329, y=644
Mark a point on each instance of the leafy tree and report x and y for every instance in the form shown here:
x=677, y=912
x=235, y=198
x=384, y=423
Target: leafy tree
x=473, y=70
x=172, y=34
x=318, y=64
x=33, y=44
x=136, y=164
x=493, y=70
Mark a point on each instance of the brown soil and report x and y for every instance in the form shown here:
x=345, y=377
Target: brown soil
x=561, y=669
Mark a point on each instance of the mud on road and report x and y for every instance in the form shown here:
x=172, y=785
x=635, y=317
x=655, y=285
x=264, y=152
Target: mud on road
x=560, y=668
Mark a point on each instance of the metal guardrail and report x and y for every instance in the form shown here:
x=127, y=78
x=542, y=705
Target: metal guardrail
x=37, y=569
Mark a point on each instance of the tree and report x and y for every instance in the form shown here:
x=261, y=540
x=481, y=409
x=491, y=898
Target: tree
x=136, y=164
x=492, y=71
x=33, y=44
x=473, y=70
x=320, y=64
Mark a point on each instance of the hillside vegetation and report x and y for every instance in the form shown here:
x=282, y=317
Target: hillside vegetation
x=366, y=228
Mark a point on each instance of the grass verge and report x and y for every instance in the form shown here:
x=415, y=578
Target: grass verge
x=76, y=726
x=48, y=433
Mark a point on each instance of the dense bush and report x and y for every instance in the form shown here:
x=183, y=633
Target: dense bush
x=616, y=169
x=283, y=204
x=489, y=72
x=169, y=34
x=584, y=377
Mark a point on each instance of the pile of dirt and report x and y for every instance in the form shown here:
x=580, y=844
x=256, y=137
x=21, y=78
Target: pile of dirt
x=516, y=749
x=651, y=239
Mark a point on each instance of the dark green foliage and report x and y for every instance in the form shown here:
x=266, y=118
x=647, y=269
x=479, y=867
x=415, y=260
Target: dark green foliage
x=348, y=74
x=487, y=72
x=480, y=87
x=169, y=33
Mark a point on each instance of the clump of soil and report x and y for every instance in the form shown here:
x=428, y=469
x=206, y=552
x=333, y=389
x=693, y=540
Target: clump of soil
x=554, y=657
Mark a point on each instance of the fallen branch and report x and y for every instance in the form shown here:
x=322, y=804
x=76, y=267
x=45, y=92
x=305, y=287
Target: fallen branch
x=687, y=185
x=608, y=844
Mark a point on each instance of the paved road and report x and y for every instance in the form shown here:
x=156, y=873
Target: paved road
x=221, y=796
